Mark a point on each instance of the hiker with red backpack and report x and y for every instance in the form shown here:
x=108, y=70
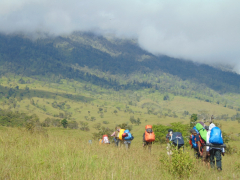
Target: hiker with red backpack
x=216, y=147
x=105, y=139
x=148, y=137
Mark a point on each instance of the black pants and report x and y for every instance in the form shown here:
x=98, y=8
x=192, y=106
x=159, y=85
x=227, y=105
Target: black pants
x=216, y=153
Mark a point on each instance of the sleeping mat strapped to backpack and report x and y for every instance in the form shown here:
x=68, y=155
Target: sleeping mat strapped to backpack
x=202, y=131
x=120, y=134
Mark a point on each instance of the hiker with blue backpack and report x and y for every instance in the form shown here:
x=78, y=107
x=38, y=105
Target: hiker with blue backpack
x=127, y=138
x=195, y=142
x=216, y=146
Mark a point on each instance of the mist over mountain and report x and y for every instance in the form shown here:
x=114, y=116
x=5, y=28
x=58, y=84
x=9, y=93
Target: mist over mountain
x=193, y=30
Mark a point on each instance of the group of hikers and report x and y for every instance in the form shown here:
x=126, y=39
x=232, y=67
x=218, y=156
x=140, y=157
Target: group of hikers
x=206, y=141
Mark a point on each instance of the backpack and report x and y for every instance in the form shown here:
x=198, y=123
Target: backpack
x=129, y=137
x=105, y=139
x=194, y=143
x=195, y=129
x=120, y=134
x=190, y=140
x=149, y=134
x=216, y=136
x=177, y=139
x=202, y=131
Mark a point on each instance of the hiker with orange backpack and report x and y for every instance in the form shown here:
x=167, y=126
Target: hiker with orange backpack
x=148, y=137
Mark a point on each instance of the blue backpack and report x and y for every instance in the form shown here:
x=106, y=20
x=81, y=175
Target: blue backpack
x=129, y=137
x=216, y=136
x=194, y=143
x=195, y=129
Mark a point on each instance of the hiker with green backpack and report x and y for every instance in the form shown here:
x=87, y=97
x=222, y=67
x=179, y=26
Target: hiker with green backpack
x=214, y=137
x=203, y=138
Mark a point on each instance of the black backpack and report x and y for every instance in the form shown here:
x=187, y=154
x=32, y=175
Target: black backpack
x=177, y=139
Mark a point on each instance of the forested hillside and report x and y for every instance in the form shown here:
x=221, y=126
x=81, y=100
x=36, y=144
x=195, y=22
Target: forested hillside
x=84, y=68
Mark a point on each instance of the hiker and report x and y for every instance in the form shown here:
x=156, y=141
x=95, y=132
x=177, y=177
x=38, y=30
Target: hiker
x=105, y=139
x=127, y=138
x=120, y=137
x=176, y=139
x=148, y=137
x=168, y=137
x=195, y=143
x=214, y=136
x=115, y=135
x=202, y=139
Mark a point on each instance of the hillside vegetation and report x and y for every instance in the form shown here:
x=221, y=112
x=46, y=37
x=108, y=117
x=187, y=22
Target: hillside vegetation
x=58, y=93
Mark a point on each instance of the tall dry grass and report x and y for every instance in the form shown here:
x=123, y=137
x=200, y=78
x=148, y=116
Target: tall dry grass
x=65, y=156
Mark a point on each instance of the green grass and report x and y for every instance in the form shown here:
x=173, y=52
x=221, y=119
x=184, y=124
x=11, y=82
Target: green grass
x=66, y=154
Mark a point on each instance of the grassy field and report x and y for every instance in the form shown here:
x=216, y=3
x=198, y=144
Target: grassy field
x=66, y=154
x=58, y=153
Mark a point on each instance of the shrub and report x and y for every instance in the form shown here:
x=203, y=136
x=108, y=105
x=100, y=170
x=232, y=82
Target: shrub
x=64, y=123
x=73, y=125
x=179, y=164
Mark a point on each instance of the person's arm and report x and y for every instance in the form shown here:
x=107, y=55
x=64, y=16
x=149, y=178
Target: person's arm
x=199, y=148
x=144, y=139
x=113, y=134
x=223, y=151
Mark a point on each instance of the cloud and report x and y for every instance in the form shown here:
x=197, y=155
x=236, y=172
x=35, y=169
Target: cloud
x=202, y=31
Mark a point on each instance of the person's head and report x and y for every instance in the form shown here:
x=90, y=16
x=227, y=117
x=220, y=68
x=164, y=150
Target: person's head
x=117, y=128
x=191, y=131
x=194, y=132
x=170, y=131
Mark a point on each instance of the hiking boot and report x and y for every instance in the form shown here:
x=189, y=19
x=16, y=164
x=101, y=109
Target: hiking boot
x=219, y=169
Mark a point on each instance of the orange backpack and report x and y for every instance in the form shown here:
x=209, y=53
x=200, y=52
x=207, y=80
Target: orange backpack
x=149, y=134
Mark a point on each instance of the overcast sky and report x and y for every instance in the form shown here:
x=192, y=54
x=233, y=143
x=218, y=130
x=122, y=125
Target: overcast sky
x=205, y=31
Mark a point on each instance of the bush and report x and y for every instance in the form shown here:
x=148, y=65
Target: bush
x=64, y=123
x=105, y=122
x=161, y=131
x=180, y=164
x=101, y=132
x=73, y=125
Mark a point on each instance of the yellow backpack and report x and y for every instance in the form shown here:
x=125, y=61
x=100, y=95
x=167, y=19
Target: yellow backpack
x=120, y=134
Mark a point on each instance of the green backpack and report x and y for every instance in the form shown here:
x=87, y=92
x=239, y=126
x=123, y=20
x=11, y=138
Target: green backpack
x=202, y=131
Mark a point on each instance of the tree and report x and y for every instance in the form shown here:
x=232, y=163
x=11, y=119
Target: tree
x=73, y=125
x=166, y=97
x=193, y=120
x=115, y=112
x=64, y=123
x=97, y=126
x=84, y=126
x=138, y=121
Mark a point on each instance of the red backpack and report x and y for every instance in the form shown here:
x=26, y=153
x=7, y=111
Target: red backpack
x=105, y=139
